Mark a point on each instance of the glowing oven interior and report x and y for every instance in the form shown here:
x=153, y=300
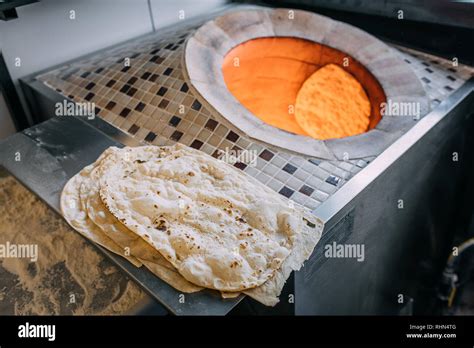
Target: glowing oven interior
x=303, y=87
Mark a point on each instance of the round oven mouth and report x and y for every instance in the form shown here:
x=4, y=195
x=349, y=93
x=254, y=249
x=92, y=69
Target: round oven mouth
x=379, y=71
x=273, y=78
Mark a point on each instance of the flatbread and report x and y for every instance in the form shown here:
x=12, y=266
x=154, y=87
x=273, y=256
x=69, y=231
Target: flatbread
x=137, y=247
x=269, y=292
x=219, y=187
x=74, y=213
x=332, y=104
x=219, y=228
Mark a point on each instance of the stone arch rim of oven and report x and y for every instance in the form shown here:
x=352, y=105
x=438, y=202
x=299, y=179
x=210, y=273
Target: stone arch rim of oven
x=206, y=48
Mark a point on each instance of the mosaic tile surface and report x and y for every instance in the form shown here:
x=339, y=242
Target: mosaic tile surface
x=151, y=101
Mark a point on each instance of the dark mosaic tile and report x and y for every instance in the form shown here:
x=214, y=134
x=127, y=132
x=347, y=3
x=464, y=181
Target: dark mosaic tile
x=425, y=79
x=425, y=63
x=157, y=59
x=240, y=165
x=314, y=161
x=451, y=78
x=306, y=190
x=196, y=144
x=89, y=96
x=132, y=80
x=211, y=124
x=145, y=75
x=196, y=105
x=448, y=88
x=232, y=136
x=90, y=85
x=84, y=75
x=140, y=106
x=133, y=129
x=162, y=91
x=97, y=111
x=174, y=121
x=124, y=113
x=98, y=71
x=429, y=70
x=153, y=77
x=169, y=46
x=125, y=69
x=176, y=135
x=155, y=51
x=110, y=83
x=286, y=191
x=333, y=180
x=184, y=88
x=452, y=70
x=163, y=104
x=125, y=88
x=216, y=153
x=131, y=92
x=266, y=155
x=289, y=168
x=150, y=137
x=168, y=71
x=110, y=105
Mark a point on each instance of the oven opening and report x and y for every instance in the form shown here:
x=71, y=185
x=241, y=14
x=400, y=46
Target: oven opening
x=303, y=87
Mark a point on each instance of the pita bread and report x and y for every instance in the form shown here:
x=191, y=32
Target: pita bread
x=332, y=104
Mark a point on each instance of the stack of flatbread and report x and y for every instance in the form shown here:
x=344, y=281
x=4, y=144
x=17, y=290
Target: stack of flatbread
x=194, y=221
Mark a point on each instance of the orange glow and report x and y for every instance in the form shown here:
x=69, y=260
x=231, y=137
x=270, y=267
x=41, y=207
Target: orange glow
x=266, y=74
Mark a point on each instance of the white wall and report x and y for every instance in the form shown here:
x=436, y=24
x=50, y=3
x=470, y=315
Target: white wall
x=43, y=35
x=166, y=12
